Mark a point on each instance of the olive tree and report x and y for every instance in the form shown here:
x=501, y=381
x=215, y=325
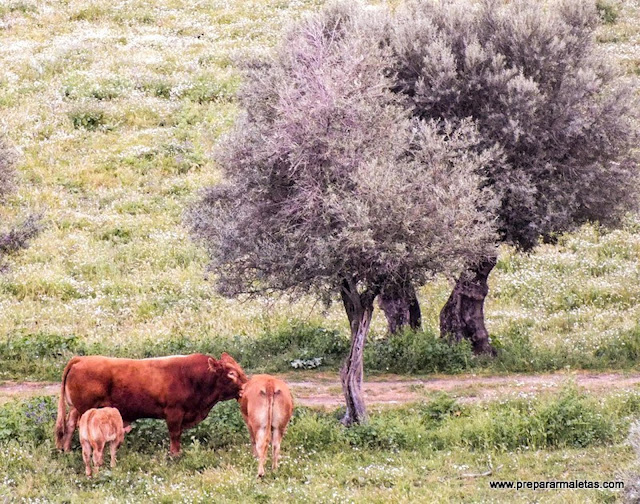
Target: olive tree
x=532, y=79
x=331, y=188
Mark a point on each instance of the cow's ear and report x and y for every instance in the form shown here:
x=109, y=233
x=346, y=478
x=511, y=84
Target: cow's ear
x=233, y=376
x=225, y=357
x=214, y=365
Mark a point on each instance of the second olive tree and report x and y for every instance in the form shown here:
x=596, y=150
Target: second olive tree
x=532, y=79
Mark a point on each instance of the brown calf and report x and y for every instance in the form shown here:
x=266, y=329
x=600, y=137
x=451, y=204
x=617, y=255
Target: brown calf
x=99, y=426
x=266, y=405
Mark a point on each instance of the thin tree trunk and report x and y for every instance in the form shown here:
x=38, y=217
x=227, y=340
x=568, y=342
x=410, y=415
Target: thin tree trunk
x=359, y=308
x=462, y=317
x=401, y=308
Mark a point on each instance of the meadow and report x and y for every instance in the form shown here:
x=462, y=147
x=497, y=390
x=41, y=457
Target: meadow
x=113, y=109
x=436, y=451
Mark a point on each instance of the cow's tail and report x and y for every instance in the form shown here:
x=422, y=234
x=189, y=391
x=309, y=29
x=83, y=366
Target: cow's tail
x=270, y=399
x=62, y=403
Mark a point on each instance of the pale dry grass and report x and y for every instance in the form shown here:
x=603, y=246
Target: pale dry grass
x=154, y=84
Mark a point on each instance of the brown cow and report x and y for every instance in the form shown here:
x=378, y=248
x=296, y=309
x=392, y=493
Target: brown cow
x=180, y=389
x=266, y=405
x=99, y=426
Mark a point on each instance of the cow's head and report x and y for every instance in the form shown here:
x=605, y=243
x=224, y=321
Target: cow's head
x=231, y=377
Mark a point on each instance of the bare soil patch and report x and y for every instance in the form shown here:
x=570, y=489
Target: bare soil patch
x=324, y=389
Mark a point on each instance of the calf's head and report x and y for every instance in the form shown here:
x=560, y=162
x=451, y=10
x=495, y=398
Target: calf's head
x=230, y=376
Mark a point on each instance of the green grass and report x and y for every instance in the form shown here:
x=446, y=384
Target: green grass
x=422, y=452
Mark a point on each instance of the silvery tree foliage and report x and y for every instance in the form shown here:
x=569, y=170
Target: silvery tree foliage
x=531, y=78
x=332, y=188
x=17, y=237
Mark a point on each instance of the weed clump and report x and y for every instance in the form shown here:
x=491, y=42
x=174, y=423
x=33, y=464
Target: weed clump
x=88, y=117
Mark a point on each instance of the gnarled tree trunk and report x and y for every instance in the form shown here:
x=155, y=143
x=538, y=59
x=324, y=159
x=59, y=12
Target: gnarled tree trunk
x=462, y=317
x=359, y=308
x=401, y=308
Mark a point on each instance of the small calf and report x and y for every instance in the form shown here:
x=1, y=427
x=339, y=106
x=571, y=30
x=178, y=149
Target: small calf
x=266, y=405
x=99, y=426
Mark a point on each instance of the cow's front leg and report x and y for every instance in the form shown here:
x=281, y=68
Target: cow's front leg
x=174, y=423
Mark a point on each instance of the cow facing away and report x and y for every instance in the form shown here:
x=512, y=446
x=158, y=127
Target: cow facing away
x=99, y=426
x=266, y=405
x=180, y=389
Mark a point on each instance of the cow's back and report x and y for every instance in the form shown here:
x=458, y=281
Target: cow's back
x=258, y=393
x=138, y=388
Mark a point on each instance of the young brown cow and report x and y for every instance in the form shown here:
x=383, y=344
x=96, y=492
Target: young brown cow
x=266, y=405
x=99, y=426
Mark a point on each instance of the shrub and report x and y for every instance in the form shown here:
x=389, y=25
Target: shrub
x=88, y=117
x=28, y=421
x=439, y=408
x=608, y=11
x=621, y=351
x=572, y=419
x=410, y=351
x=39, y=345
x=311, y=430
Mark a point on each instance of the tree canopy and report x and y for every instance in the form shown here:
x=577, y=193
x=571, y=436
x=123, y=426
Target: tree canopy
x=538, y=87
x=326, y=176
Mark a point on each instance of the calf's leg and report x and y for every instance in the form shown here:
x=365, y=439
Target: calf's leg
x=113, y=446
x=86, y=456
x=98, y=455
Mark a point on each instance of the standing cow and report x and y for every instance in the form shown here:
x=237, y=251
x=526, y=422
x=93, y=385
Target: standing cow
x=180, y=389
x=97, y=427
x=266, y=405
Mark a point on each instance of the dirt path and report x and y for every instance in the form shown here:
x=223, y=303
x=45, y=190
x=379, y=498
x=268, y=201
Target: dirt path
x=324, y=390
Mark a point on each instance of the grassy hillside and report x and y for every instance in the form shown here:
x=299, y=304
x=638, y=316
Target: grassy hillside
x=114, y=109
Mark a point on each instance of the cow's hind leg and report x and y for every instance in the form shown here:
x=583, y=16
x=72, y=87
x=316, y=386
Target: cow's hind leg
x=262, y=445
x=86, y=456
x=252, y=436
x=70, y=428
x=276, y=438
